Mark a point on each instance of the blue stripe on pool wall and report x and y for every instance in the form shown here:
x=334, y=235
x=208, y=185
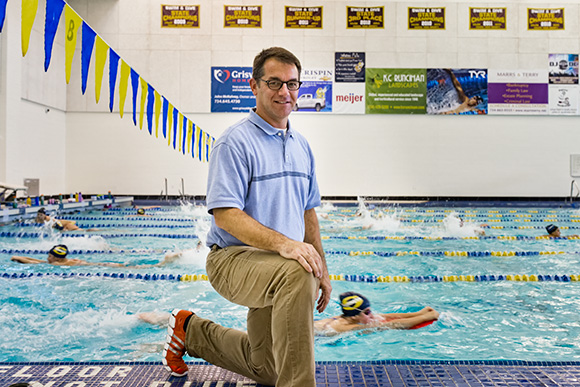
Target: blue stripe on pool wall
x=280, y=175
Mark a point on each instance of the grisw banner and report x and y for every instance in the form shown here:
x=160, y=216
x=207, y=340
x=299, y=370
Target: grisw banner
x=230, y=89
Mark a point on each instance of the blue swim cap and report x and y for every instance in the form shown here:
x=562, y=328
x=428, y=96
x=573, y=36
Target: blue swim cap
x=58, y=225
x=551, y=228
x=140, y=211
x=353, y=303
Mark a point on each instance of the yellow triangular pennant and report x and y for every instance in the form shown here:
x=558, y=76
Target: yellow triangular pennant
x=189, y=134
x=29, y=8
x=157, y=113
x=180, y=130
x=123, y=83
x=144, y=88
x=73, y=22
x=101, y=50
x=169, y=124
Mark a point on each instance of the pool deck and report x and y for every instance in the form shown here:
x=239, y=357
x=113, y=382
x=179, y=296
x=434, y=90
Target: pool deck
x=397, y=373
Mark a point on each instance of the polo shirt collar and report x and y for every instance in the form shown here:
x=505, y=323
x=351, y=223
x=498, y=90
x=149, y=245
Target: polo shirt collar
x=266, y=127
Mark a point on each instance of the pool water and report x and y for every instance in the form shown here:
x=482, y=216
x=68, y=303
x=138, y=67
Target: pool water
x=93, y=318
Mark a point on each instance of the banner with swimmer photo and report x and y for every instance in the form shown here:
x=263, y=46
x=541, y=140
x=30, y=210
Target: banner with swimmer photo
x=457, y=91
x=396, y=91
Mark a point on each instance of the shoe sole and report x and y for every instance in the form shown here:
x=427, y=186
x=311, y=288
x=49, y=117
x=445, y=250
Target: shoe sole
x=168, y=338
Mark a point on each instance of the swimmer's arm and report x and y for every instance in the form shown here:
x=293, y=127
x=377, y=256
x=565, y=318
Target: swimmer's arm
x=26, y=260
x=425, y=310
x=409, y=322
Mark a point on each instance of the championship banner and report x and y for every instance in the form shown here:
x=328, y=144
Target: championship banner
x=563, y=69
x=303, y=17
x=242, y=16
x=426, y=18
x=517, y=92
x=349, y=67
x=315, y=94
x=180, y=16
x=456, y=91
x=545, y=19
x=365, y=17
x=487, y=18
x=396, y=91
x=230, y=89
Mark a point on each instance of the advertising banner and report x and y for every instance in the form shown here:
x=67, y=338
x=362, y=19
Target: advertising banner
x=517, y=92
x=349, y=98
x=230, y=89
x=564, y=100
x=563, y=69
x=487, y=18
x=315, y=94
x=545, y=18
x=244, y=16
x=426, y=18
x=349, y=67
x=563, y=79
x=456, y=91
x=303, y=17
x=180, y=16
x=396, y=91
x=365, y=17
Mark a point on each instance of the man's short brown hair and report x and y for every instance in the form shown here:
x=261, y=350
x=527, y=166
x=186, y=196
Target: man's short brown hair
x=278, y=53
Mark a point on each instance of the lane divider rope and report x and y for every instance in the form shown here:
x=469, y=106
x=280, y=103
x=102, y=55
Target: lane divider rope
x=339, y=277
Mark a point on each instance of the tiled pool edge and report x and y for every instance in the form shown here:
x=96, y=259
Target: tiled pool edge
x=400, y=373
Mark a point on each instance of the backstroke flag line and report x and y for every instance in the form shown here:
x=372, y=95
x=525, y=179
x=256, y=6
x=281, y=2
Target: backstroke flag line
x=181, y=133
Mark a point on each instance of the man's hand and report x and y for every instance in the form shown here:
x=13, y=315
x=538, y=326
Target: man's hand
x=305, y=254
x=326, y=289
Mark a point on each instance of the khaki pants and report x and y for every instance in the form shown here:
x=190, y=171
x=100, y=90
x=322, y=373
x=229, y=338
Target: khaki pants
x=279, y=345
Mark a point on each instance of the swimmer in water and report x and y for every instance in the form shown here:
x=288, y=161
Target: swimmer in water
x=59, y=224
x=466, y=103
x=57, y=256
x=554, y=232
x=357, y=316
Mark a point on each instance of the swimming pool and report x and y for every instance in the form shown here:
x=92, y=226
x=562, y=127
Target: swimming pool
x=402, y=258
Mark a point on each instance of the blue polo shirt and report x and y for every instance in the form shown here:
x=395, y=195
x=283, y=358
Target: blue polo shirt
x=271, y=177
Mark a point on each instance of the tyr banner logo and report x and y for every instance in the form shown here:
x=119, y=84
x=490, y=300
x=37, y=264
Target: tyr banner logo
x=476, y=74
x=221, y=75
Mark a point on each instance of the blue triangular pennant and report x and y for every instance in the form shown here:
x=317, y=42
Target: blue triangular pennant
x=88, y=43
x=113, y=67
x=53, y=12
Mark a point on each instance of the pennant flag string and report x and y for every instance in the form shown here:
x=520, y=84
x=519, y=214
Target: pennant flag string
x=3, y=4
x=29, y=9
x=113, y=66
x=53, y=13
x=179, y=131
x=87, y=44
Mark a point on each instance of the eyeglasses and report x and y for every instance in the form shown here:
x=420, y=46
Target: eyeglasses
x=276, y=84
